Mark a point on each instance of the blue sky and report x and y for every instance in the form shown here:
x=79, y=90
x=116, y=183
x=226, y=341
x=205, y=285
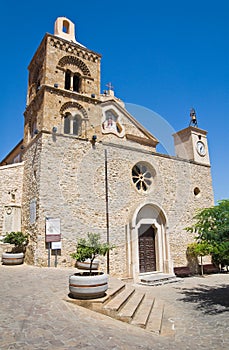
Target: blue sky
x=166, y=56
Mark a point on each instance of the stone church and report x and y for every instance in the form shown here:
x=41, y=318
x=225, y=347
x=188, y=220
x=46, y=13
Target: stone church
x=86, y=165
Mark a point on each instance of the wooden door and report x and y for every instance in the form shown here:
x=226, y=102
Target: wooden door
x=147, y=255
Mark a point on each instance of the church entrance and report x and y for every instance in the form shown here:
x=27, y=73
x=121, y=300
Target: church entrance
x=146, y=244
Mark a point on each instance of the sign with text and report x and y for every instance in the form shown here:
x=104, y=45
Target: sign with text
x=52, y=230
x=55, y=245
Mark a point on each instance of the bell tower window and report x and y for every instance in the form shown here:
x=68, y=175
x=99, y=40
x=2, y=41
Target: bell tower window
x=65, y=27
x=38, y=84
x=67, y=124
x=67, y=85
x=33, y=128
x=77, y=125
x=76, y=82
x=72, y=81
x=72, y=124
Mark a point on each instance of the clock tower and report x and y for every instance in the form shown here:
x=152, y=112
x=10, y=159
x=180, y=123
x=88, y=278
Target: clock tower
x=191, y=143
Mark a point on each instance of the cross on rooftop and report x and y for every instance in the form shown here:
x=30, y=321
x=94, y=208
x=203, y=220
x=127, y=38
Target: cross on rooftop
x=110, y=87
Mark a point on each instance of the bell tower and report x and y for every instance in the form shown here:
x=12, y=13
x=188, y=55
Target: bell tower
x=191, y=142
x=64, y=80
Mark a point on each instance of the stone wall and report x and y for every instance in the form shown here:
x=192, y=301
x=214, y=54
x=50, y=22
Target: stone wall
x=30, y=200
x=71, y=186
x=11, y=177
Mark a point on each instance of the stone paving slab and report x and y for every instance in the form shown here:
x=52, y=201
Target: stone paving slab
x=34, y=315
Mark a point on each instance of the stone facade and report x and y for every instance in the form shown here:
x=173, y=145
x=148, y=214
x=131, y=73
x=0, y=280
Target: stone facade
x=11, y=180
x=69, y=126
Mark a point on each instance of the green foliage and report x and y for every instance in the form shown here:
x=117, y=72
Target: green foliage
x=212, y=229
x=90, y=248
x=199, y=249
x=221, y=254
x=18, y=238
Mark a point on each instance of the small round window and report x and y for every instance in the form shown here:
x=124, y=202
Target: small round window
x=142, y=177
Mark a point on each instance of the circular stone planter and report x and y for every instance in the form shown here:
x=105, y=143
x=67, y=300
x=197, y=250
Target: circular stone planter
x=12, y=258
x=85, y=265
x=83, y=286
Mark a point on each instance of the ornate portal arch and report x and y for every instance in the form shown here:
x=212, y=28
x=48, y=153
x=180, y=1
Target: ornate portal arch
x=148, y=241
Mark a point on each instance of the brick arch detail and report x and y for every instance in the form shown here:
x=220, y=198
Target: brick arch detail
x=76, y=62
x=76, y=105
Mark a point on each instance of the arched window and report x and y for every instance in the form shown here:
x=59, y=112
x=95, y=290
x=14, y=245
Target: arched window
x=76, y=82
x=72, y=81
x=65, y=27
x=33, y=128
x=72, y=124
x=76, y=125
x=67, y=84
x=67, y=120
x=38, y=85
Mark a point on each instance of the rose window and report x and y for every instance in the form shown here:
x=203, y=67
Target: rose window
x=142, y=177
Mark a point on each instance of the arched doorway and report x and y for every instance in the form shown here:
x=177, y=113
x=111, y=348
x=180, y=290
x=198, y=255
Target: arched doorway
x=146, y=247
x=148, y=244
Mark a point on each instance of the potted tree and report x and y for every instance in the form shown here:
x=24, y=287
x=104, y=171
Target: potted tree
x=89, y=284
x=16, y=255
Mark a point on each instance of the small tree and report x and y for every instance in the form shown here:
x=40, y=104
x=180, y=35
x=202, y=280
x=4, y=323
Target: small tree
x=220, y=254
x=19, y=239
x=90, y=248
x=212, y=229
x=199, y=249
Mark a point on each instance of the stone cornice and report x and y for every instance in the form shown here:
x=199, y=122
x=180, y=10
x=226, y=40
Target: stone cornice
x=66, y=46
x=71, y=95
x=36, y=102
x=142, y=140
x=73, y=48
x=156, y=154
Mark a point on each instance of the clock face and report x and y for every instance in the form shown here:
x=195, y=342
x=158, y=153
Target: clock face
x=201, y=148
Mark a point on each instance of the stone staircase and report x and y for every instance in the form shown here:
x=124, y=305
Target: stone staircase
x=157, y=279
x=132, y=304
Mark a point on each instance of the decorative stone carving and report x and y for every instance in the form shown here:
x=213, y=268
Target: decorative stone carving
x=111, y=122
x=12, y=218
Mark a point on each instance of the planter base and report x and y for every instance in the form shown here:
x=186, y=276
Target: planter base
x=85, y=265
x=84, y=286
x=12, y=258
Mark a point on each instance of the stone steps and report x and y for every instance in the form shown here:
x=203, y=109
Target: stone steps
x=132, y=304
x=112, y=307
x=138, y=308
x=128, y=311
x=158, y=279
x=142, y=315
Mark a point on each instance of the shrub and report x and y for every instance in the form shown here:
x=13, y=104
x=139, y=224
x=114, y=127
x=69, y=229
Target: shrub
x=18, y=238
x=90, y=248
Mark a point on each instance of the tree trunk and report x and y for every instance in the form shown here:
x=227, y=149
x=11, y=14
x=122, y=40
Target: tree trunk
x=202, y=266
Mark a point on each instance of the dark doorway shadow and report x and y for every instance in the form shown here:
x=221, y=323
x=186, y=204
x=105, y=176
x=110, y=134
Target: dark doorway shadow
x=209, y=299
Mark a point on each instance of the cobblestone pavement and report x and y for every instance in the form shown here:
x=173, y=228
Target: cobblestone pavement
x=34, y=315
